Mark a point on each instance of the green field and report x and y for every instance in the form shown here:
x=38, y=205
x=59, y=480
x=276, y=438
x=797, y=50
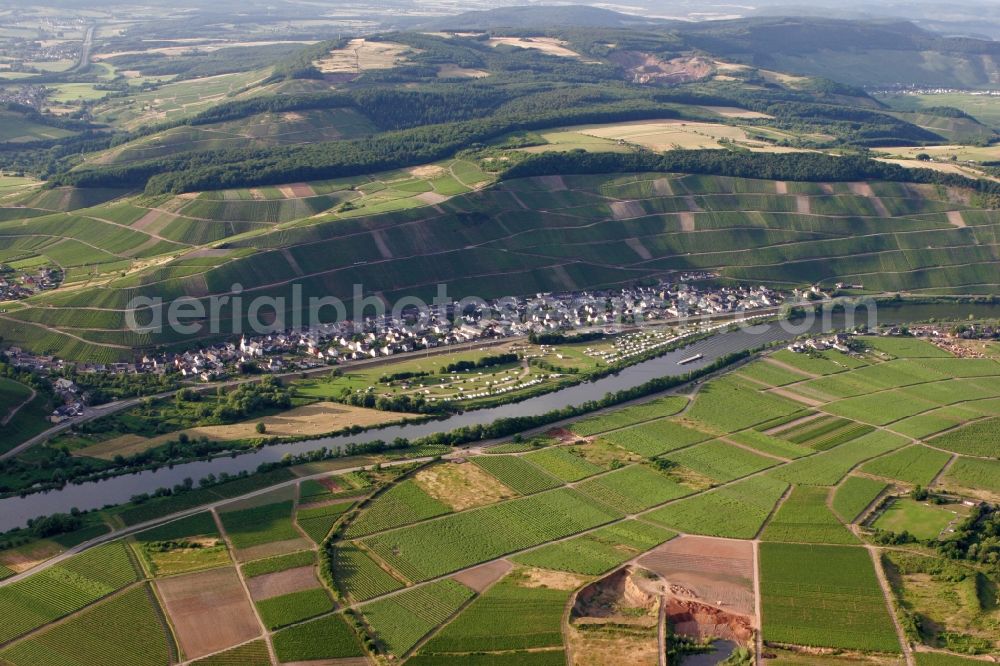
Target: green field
x=358, y=575
x=562, y=464
x=260, y=525
x=318, y=521
x=303, y=558
x=721, y=461
x=737, y=511
x=65, y=588
x=329, y=637
x=824, y=596
x=854, y=495
x=531, y=617
x=805, y=518
x=655, y=438
x=916, y=465
x=250, y=654
x=126, y=630
x=633, y=489
x=453, y=542
x=621, y=418
x=517, y=473
x=979, y=439
x=921, y=519
x=403, y=619
x=401, y=504
x=599, y=551
x=974, y=474
x=287, y=609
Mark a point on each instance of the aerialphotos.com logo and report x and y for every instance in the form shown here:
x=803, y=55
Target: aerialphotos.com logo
x=233, y=313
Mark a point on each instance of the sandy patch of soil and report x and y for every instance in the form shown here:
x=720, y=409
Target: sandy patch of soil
x=636, y=245
x=282, y=582
x=481, y=577
x=803, y=205
x=462, y=485
x=955, y=219
x=793, y=424
x=687, y=221
x=798, y=397
x=208, y=252
x=549, y=45
x=624, y=210
x=734, y=112
x=781, y=187
x=297, y=191
x=663, y=188
x=432, y=198
x=209, y=611
x=426, y=171
x=154, y=221
x=380, y=243
x=554, y=580
x=553, y=183
x=451, y=71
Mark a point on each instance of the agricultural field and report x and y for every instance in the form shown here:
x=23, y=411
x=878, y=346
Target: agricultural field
x=126, y=630
x=358, y=575
x=737, y=511
x=318, y=521
x=401, y=504
x=66, y=588
x=804, y=517
x=529, y=609
x=720, y=461
x=633, y=489
x=975, y=475
x=855, y=495
x=655, y=438
x=517, y=473
x=916, y=465
x=257, y=526
x=980, y=439
x=824, y=596
x=482, y=534
x=286, y=609
x=565, y=466
x=599, y=551
x=329, y=637
x=400, y=621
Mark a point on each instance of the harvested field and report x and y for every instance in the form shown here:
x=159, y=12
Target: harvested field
x=451, y=71
x=548, y=45
x=283, y=582
x=209, y=611
x=462, y=485
x=481, y=577
x=362, y=55
x=734, y=112
x=316, y=419
x=715, y=571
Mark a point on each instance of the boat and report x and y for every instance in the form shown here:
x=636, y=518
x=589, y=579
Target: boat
x=690, y=359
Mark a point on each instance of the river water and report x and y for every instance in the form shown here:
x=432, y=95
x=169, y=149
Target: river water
x=14, y=511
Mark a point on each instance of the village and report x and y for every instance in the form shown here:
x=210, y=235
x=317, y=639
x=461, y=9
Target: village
x=17, y=284
x=606, y=311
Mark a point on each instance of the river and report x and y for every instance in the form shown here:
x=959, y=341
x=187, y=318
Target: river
x=14, y=511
